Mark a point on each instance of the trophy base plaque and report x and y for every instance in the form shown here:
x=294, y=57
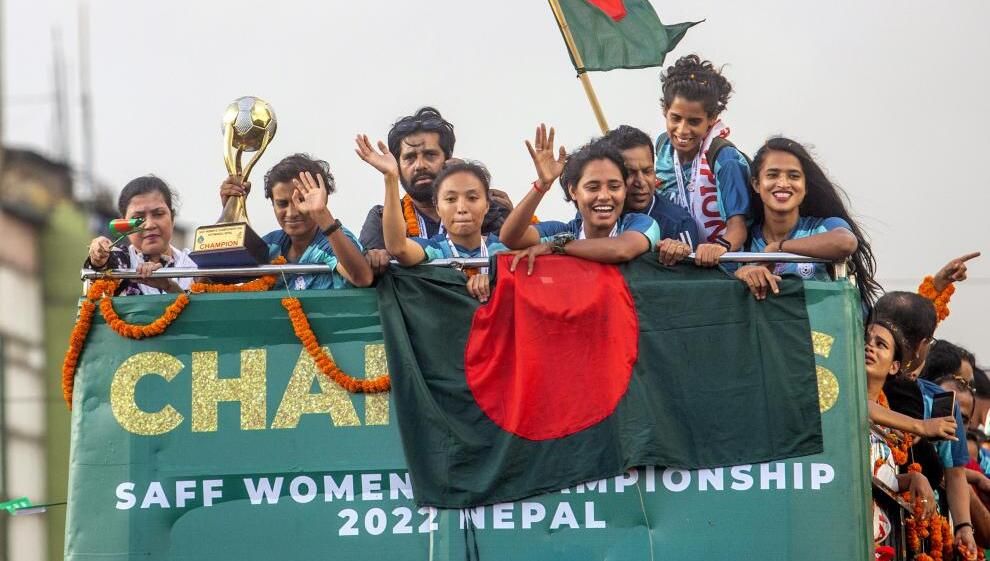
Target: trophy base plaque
x=232, y=244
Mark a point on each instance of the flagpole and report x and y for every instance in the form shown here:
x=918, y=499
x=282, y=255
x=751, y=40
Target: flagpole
x=558, y=13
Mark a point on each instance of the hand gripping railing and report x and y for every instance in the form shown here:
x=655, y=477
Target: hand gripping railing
x=839, y=270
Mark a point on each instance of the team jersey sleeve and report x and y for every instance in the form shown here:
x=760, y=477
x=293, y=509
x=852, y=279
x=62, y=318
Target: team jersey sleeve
x=430, y=249
x=732, y=181
x=954, y=454
x=550, y=228
x=834, y=223
x=636, y=222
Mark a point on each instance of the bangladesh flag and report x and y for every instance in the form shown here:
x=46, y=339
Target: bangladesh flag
x=612, y=34
x=583, y=370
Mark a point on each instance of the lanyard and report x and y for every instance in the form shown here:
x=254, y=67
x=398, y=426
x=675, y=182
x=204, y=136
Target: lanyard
x=682, y=191
x=455, y=253
x=422, y=227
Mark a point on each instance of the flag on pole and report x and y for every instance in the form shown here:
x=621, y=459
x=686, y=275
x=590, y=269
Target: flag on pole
x=612, y=34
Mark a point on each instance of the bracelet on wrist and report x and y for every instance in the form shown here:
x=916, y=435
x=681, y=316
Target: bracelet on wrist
x=333, y=228
x=724, y=243
x=538, y=187
x=962, y=525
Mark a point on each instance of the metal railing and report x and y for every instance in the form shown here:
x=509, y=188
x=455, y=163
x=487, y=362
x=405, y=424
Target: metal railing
x=293, y=269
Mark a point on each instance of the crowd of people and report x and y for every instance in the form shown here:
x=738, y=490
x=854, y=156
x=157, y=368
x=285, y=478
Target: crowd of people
x=688, y=191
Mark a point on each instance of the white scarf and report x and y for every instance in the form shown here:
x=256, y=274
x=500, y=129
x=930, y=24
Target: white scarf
x=699, y=194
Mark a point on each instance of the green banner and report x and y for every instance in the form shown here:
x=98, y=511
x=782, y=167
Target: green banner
x=221, y=440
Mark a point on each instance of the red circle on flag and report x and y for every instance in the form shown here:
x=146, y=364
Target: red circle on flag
x=552, y=353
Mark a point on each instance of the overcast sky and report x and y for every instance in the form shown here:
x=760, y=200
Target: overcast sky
x=892, y=96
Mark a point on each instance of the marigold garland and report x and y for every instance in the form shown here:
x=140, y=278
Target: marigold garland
x=326, y=364
x=409, y=212
x=940, y=299
x=260, y=284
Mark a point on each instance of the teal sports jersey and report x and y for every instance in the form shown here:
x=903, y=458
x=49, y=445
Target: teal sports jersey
x=806, y=226
x=951, y=453
x=731, y=171
x=438, y=247
x=632, y=222
x=319, y=252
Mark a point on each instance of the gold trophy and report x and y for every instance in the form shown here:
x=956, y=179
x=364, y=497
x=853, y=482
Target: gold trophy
x=248, y=126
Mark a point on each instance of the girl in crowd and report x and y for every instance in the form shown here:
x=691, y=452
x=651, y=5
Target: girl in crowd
x=800, y=211
x=461, y=198
x=150, y=249
x=594, y=179
x=885, y=353
x=715, y=192
x=299, y=188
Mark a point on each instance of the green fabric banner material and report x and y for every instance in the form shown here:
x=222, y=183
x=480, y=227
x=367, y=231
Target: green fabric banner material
x=721, y=380
x=638, y=40
x=291, y=467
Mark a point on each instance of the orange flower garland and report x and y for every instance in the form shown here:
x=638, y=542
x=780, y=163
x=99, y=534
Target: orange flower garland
x=409, y=213
x=260, y=284
x=326, y=364
x=134, y=331
x=940, y=299
x=79, y=333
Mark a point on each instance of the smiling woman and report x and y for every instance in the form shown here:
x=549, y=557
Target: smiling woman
x=800, y=211
x=150, y=199
x=594, y=178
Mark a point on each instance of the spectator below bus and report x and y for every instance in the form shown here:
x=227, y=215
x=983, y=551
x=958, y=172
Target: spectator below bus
x=716, y=193
x=460, y=196
x=801, y=211
x=150, y=199
x=678, y=232
x=421, y=143
x=595, y=181
x=915, y=318
x=299, y=188
x=884, y=354
x=946, y=360
x=981, y=387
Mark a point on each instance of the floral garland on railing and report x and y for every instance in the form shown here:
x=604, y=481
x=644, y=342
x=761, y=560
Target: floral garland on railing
x=940, y=299
x=260, y=284
x=326, y=364
x=104, y=289
x=936, y=528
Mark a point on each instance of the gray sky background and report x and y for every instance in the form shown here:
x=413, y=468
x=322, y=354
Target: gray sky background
x=891, y=95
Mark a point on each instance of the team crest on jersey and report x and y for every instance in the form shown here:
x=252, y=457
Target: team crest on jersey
x=806, y=270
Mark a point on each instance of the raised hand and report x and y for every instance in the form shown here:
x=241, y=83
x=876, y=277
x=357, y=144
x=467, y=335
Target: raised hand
x=310, y=195
x=548, y=167
x=953, y=271
x=380, y=159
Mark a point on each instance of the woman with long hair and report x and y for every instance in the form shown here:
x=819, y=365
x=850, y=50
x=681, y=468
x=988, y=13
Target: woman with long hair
x=799, y=210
